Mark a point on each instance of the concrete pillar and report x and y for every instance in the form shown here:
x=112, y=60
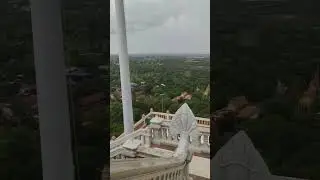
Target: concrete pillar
x=163, y=133
x=154, y=133
x=148, y=138
x=124, y=68
x=54, y=120
x=142, y=138
x=196, y=140
x=202, y=139
x=167, y=114
x=157, y=132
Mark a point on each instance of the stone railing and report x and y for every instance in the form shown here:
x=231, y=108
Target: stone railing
x=160, y=135
x=121, y=153
x=172, y=166
x=149, y=169
x=141, y=134
x=202, y=123
x=139, y=124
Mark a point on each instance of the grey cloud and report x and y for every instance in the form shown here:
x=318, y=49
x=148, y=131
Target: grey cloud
x=142, y=15
x=166, y=26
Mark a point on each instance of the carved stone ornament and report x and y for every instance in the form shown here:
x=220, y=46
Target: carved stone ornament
x=184, y=124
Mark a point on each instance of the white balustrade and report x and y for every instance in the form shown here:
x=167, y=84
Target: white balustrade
x=135, y=135
x=201, y=122
x=161, y=136
x=199, y=143
x=148, y=169
x=174, y=166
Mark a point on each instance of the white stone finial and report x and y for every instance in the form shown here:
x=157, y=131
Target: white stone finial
x=184, y=124
x=151, y=109
x=143, y=116
x=168, y=112
x=183, y=121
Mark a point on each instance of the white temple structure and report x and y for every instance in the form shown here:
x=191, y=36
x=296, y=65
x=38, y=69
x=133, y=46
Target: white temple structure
x=164, y=146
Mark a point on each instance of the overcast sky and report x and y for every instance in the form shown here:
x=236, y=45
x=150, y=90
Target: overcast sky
x=164, y=26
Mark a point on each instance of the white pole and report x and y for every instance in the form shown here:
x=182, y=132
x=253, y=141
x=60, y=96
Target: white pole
x=124, y=68
x=54, y=121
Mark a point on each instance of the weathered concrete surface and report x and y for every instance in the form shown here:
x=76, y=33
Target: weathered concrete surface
x=200, y=166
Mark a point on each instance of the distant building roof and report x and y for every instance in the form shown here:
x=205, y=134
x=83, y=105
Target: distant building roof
x=188, y=97
x=184, y=96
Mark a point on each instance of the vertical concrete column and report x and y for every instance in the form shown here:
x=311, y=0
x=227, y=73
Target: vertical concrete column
x=124, y=68
x=148, y=138
x=142, y=138
x=54, y=121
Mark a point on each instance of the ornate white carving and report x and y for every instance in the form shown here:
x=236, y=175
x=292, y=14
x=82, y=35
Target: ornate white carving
x=183, y=121
x=183, y=124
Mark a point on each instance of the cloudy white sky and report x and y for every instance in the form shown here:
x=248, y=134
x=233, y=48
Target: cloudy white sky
x=164, y=26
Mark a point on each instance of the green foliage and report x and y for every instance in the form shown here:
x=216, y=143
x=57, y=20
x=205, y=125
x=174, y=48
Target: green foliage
x=178, y=75
x=116, y=123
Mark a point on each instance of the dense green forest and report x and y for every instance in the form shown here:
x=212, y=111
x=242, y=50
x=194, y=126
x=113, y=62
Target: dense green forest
x=177, y=74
